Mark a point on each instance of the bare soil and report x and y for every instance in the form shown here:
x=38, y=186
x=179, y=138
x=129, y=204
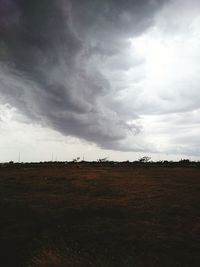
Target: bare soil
x=97, y=215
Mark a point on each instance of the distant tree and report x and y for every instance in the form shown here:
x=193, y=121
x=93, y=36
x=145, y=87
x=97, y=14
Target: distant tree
x=144, y=159
x=103, y=160
x=185, y=161
x=76, y=159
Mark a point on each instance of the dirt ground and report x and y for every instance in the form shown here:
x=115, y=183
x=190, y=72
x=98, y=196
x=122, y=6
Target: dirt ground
x=97, y=215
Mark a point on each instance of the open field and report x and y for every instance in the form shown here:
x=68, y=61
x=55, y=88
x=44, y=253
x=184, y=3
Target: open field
x=98, y=215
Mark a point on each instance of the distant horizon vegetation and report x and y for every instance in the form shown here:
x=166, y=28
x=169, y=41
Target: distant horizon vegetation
x=141, y=161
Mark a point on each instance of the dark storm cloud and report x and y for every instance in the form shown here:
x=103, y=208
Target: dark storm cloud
x=51, y=54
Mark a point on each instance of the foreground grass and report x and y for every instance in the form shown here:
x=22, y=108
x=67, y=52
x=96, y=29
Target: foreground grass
x=63, y=216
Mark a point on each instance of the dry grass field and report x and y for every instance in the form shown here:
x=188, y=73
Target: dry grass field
x=97, y=215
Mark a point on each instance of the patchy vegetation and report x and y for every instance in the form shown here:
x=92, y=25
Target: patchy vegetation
x=99, y=214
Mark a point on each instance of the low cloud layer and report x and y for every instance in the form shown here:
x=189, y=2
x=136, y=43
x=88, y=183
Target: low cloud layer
x=61, y=63
x=123, y=75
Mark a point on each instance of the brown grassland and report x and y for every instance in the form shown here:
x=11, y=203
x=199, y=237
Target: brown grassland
x=97, y=215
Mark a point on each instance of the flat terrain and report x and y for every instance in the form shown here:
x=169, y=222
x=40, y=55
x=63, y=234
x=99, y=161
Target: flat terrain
x=98, y=215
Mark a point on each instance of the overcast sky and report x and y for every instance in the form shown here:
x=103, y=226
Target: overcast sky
x=99, y=78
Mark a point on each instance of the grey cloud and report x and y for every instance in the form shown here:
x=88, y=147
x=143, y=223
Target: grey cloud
x=52, y=69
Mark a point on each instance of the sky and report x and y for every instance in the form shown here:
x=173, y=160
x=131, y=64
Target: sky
x=99, y=78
